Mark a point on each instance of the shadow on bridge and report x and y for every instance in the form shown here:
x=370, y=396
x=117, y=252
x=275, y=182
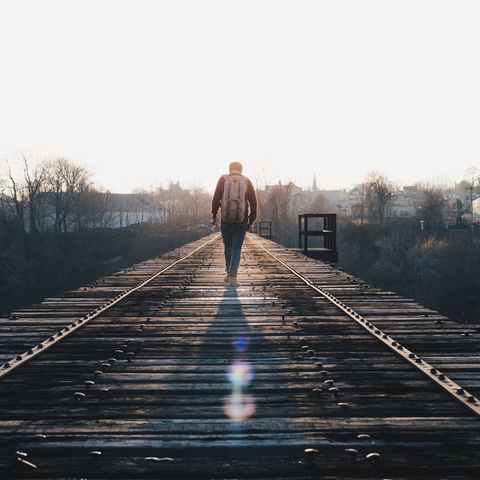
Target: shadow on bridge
x=258, y=403
x=228, y=340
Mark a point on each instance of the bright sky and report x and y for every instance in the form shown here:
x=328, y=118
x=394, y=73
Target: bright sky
x=145, y=91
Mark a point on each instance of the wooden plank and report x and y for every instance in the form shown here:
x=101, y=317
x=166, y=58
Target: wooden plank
x=171, y=399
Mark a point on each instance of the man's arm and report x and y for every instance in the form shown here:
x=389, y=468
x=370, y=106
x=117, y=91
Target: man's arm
x=217, y=197
x=252, y=201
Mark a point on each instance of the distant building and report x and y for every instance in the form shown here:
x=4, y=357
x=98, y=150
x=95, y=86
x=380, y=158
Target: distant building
x=334, y=198
x=410, y=191
x=476, y=209
x=290, y=186
x=351, y=202
x=402, y=204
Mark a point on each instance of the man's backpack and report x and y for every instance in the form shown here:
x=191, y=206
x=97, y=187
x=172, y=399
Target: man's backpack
x=234, y=198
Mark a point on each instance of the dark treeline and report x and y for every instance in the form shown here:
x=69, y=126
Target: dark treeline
x=438, y=268
x=34, y=267
x=59, y=231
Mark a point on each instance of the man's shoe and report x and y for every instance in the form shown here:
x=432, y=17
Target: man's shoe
x=234, y=281
x=226, y=279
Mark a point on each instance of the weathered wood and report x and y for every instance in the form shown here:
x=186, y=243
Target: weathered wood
x=173, y=342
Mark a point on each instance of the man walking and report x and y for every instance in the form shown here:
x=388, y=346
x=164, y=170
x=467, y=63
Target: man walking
x=236, y=198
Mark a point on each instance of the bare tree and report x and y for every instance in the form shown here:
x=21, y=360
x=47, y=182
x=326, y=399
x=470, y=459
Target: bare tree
x=16, y=199
x=318, y=203
x=172, y=201
x=35, y=181
x=67, y=182
x=55, y=186
x=96, y=209
x=276, y=206
x=3, y=202
x=432, y=205
x=472, y=175
x=378, y=194
x=197, y=195
x=104, y=209
x=160, y=203
x=77, y=183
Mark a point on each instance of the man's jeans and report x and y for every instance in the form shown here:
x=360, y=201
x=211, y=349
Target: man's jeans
x=233, y=235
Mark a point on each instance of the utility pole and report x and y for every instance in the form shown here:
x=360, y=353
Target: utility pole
x=363, y=206
x=471, y=187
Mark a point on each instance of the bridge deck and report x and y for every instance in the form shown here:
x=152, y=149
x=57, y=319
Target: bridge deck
x=188, y=378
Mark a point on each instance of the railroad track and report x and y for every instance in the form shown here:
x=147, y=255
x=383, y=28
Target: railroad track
x=303, y=371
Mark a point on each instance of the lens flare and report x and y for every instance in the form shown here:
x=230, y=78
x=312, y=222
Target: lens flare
x=239, y=407
x=240, y=344
x=240, y=374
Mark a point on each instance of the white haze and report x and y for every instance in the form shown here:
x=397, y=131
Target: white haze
x=146, y=91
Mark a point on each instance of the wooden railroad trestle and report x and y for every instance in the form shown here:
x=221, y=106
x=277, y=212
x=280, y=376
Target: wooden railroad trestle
x=163, y=371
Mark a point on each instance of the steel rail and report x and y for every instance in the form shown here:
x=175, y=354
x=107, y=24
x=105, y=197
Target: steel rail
x=45, y=345
x=447, y=384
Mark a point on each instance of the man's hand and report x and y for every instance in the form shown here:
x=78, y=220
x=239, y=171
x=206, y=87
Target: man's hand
x=213, y=221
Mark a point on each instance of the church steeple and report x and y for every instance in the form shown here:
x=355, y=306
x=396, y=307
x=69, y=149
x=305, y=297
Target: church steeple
x=314, y=186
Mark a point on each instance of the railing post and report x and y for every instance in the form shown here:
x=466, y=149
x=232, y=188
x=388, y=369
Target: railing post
x=300, y=231
x=265, y=226
x=305, y=236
